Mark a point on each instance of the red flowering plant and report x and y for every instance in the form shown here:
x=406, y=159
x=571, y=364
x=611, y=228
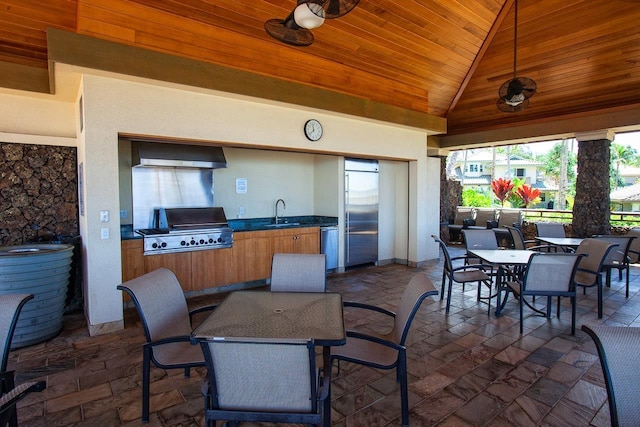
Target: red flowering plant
x=528, y=194
x=502, y=188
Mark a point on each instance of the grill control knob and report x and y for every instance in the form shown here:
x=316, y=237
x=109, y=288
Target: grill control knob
x=220, y=240
x=164, y=244
x=193, y=242
x=202, y=241
x=182, y=243
x=210, y=240
x=154, y=245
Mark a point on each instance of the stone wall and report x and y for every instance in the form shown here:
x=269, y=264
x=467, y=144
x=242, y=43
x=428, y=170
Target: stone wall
x=38, y=193
x=591, y=204
x=450, y=198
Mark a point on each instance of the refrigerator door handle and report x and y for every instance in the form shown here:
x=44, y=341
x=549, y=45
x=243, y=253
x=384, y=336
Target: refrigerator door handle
x=347, y=216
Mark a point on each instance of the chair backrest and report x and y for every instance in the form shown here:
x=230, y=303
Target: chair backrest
x=550, y=229
x=508, y=217
x=161, y=304
x=261, y=375
x=551, y=272
x=517, y=238
x=618, y=255
x=484, y=215
x=299, y=273
x=480, y=239
x=618, y=347
x=634, y=248
x=448, y=265
x=419, y=287
x=10, y=307
x=462, y=213
x=595, y=251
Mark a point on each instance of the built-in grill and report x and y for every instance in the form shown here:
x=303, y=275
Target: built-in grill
x=187, y=229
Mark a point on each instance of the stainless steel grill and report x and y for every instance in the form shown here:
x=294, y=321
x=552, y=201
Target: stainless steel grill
x=187, y=229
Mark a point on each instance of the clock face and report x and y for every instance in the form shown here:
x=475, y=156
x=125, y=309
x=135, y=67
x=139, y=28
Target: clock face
x=313, y=130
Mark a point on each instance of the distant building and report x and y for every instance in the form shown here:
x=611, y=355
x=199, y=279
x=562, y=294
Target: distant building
x=626, y=199
x=477, y=171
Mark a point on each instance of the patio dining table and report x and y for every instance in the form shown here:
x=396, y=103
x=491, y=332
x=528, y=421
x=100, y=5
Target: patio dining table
x=502, y=257
x=265, y=314
x=563, y=242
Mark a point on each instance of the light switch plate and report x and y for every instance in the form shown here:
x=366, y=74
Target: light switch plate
x=104, y=216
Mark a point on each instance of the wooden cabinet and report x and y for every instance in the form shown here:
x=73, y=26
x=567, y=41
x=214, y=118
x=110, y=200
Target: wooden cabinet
x=179, y=263
x=296, y=240
x=251, y=256
x=132, y=259
x=212, y=268
x=248, y=260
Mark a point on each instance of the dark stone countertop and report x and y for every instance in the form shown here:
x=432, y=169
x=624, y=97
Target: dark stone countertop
x=256, y=224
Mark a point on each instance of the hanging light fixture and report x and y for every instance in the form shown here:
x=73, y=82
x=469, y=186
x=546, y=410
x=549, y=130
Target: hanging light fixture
x=515, y=93
x=307, y=15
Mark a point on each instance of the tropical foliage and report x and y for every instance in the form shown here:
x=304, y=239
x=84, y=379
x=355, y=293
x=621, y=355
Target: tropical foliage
x=472, y=197
x=528, y=194
x=502, y=189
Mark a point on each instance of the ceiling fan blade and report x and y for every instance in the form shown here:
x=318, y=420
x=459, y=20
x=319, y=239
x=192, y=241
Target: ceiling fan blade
x=288, y=32
x=507, y=108
x=338, y=8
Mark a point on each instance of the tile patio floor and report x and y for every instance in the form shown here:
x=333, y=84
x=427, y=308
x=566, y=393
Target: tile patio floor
x=466, y=369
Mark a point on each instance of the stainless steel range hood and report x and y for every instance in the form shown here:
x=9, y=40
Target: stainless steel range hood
x=145, y=153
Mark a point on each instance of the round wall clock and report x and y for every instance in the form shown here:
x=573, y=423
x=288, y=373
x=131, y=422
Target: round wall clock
x=313, y=130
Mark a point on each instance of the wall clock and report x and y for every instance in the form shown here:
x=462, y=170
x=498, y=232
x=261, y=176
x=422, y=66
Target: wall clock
x=313, y=130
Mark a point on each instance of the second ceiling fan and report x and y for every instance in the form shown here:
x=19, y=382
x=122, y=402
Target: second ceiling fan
x=515, y=93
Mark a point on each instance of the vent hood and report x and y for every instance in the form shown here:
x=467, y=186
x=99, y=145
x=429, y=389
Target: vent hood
x=144, y=153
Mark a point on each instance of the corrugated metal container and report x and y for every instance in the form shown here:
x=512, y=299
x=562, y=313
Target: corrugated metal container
x=42, y=270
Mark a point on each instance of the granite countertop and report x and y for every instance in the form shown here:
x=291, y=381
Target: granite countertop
x=256, y=224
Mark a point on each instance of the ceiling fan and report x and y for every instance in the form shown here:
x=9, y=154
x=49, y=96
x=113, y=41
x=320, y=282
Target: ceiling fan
x=515, y=93
x=307, y=15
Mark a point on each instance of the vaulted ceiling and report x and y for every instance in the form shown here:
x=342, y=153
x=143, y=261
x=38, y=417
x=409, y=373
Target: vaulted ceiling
x=445, y=58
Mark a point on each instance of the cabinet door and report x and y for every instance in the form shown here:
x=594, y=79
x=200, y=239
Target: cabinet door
x=296, y=240
x=179, y=263
x=212, y=268
x=251, y=257
x=132, y=259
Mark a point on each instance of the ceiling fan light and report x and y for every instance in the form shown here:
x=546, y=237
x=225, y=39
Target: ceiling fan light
x=309, y=15
x=515, y=100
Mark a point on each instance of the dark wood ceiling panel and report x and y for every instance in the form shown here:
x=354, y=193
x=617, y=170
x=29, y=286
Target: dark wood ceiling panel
x=443, y=57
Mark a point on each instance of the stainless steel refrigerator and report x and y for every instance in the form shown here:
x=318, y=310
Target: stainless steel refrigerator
x=361, y=211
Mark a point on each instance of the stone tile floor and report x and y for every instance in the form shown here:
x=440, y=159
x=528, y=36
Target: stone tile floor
x=466, y=368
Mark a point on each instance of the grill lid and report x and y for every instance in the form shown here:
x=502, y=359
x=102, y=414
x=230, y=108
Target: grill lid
x=195, y=218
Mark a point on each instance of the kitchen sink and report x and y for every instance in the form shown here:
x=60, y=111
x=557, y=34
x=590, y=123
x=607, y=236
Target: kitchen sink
x=283, y=224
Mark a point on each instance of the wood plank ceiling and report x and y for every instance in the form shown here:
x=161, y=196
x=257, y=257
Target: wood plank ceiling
x=443, y=57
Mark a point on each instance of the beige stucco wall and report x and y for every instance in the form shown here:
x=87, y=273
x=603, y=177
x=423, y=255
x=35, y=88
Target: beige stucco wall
x=113, y=106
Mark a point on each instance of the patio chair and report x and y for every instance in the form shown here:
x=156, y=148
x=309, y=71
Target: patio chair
x=299, y=273
x=507, y=218
x=462, y=214
x=162, y=308
x=520, y=243
x=463, y=274
x=388, y=351
x=479, y=239
x=634, y=248
x=546, y=274
x=590, y=267
x=550, y=229
x=10, y=307
x=618, y=347
x=618, y=258
x=263, y=380
x=484, y=218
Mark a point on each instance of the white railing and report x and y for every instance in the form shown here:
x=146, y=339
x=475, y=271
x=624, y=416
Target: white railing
x=616, y=218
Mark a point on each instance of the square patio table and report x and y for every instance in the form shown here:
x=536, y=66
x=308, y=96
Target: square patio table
x=502, y=257
x=265, y=314
x=564, y=242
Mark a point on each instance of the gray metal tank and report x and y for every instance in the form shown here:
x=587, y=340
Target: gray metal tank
x=42, y=270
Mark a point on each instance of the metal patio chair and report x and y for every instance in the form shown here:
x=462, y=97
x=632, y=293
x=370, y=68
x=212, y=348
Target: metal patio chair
x=462, y=274
x=162, y=308
x=590, y=266
x=618, y=347
x=546, y=274
x=388, y=351
x=10, y=307
x=299, y=273
x=617, y=258
x=263, y=380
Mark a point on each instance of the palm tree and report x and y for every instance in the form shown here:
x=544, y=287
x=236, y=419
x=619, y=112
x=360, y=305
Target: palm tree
x=621, y=155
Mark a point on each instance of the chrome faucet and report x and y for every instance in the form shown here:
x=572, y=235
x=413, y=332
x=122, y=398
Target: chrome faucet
x=283, y=205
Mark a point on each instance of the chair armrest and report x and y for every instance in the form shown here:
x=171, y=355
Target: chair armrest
x=483, y=267
x=378, y=340
x=11, y=394
x=169, y=340
x=368, y=307
x=199, y=310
